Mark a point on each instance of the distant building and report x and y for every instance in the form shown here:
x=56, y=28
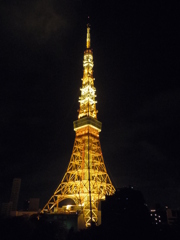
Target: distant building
x=26, y=205
x=164, y=216
x=15, y=193
x=6, y=209
x=33, y=204
x=158, y=217
x=173, y=216
x=22, y=213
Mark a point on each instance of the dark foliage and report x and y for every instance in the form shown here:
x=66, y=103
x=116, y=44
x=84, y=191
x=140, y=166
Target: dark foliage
x=32, y=228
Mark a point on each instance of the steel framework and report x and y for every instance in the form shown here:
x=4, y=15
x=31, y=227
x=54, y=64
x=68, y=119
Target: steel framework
x=86, y=180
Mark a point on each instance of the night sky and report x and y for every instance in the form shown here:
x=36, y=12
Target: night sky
x=136, y=57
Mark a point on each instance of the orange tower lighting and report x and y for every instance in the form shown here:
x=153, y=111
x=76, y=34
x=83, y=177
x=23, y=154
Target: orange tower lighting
x=86, y=180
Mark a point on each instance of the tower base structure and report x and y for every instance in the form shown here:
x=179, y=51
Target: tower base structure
x=86, y=181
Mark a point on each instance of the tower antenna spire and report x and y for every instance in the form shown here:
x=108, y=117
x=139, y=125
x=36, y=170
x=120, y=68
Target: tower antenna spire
x=88, y=38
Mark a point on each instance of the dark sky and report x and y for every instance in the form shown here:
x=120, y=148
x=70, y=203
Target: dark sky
x=136, y=56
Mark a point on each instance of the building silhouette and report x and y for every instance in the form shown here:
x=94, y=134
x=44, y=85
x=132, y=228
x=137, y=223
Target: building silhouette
x=15, y=193
x=8, y=207
x=126, y=207
x=33, y=204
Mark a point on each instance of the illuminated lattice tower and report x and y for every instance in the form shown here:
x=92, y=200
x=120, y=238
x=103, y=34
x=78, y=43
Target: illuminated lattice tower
x=86, y=181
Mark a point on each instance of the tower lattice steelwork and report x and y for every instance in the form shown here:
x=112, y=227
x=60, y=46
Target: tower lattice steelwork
x=86, y=181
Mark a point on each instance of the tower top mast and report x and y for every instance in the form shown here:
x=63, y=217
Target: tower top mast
x=88, y=39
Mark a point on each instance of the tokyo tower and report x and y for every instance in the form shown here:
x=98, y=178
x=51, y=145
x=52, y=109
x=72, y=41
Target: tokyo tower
x=86, y=180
